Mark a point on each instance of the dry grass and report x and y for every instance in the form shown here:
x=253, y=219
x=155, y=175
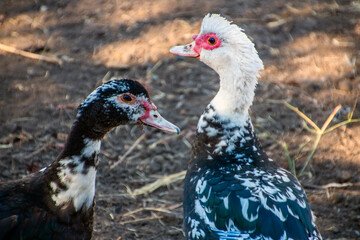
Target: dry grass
x=317, y=132
x=163, y=181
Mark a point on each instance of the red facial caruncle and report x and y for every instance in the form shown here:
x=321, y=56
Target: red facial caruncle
x=207, y=41
x=148, y=108
x=130, y=99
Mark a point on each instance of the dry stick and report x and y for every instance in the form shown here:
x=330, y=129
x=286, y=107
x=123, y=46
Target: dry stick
x=336, y=187
x=330, y=185
x=164, y=181
x=350, y=119
x=51, y=59
x=348, y=192
x=295, y=109
x=107, y=196
x=152, y=70
x=167, y=210
x=128, y=151
x=342, y=124
x=146, y=209
x=330, y=118
x=39, y=150
x=140, y=220
x=164, y=140
x=353, y=109
x=4, y=146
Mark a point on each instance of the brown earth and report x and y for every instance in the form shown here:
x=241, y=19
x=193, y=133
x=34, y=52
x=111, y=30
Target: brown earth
x=311, y=51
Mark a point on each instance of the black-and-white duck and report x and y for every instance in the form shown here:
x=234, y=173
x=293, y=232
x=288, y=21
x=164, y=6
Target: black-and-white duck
x=233, y=190
x=58, y=201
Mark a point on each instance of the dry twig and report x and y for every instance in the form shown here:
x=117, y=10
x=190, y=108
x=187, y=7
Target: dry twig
x=336, y=187
x=51, y=59
x=164, y=181
x=38, y=150
x=146, y=209
x=140, y=220
x=164, y=140
x=330, y=185
x=163, y=210
x=128, y=151
x=4, y=146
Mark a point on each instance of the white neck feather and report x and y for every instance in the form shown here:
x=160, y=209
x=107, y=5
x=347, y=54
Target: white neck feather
x=78, y=178
x=235, y=95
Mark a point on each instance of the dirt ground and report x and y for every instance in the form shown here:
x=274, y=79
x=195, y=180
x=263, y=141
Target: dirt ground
x=311, y=51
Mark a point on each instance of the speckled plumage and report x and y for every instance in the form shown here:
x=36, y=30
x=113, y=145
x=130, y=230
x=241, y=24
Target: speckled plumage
x=233, y=190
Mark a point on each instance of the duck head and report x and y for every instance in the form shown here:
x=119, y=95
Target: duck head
x=225, y=47
x=221, y=44
x=120, y=102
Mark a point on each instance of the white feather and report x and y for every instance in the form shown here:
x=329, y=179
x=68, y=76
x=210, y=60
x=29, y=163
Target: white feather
x=80, y=187
x=91, y=147
x=237, y=63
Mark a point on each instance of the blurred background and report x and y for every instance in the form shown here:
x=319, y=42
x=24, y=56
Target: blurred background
x=311, y=52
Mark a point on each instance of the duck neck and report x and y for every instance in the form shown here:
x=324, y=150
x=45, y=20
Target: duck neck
x=225, y=128
x=73, y=173
x=83, y=140
x=236, y=92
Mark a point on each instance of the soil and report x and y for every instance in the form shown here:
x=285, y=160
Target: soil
x=311, y=51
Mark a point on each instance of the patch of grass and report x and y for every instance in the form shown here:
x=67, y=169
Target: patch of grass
x=318, y=132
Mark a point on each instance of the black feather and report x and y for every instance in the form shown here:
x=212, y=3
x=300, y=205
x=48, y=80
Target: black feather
x=27, y=206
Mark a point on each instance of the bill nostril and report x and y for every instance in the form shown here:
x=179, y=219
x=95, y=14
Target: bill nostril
x=155, y=116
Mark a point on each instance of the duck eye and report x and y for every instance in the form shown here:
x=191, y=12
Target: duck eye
x=127, y=98
x=211, y=41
